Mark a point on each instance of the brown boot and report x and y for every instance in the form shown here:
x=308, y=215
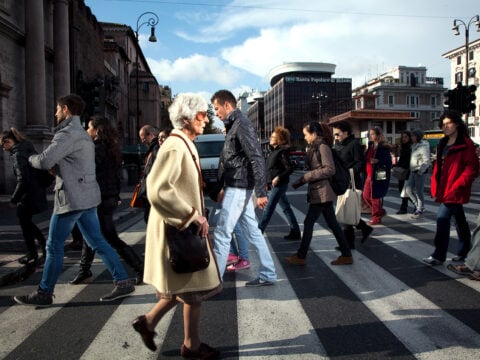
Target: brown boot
x=343, y=260
x=295, y=260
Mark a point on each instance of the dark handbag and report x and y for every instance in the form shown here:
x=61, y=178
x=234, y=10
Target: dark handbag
x=188, y=250
x=399, y=172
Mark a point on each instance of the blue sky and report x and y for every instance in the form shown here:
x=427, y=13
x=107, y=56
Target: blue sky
x=207, y=45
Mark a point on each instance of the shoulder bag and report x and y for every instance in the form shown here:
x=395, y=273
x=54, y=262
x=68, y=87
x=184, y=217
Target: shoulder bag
x=188, y=251
x=349, y=204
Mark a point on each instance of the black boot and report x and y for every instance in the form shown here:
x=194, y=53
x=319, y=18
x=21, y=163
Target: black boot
x=134, y=261
x=403, y=207
x=86, y=260
x=366, y=230
x=293, y=235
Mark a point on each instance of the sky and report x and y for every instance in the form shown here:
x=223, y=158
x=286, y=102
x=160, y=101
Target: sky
x=207, y=45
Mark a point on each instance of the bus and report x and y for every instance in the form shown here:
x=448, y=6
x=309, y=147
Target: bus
x=433, y=137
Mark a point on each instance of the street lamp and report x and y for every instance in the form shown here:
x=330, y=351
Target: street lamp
x=319, y=96
x=152, y=21
x=456, y=23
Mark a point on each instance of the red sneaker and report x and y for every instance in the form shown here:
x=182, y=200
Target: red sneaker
x=232, y=259
x=240, y=265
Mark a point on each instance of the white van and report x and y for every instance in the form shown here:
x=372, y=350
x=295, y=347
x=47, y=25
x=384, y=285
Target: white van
x=209, y=148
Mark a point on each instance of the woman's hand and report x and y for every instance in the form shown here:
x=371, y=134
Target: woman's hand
x=202, y=223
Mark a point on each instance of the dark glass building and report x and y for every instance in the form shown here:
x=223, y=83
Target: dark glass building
x=304, y=92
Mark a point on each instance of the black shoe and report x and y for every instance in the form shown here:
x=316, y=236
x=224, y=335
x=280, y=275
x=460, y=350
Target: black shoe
x=293, y=235
x=140, y=326
x=432, y=261
x=401, y=211
x=38, y=298
x=459, y=258
x=27, y=259
x=122, y=289
x=366, y=232
x=82, y=277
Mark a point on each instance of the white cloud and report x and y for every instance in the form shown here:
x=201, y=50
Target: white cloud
x=195, y=68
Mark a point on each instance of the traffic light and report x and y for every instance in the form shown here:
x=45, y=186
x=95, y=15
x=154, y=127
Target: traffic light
x=469, y=101
x=451, y=99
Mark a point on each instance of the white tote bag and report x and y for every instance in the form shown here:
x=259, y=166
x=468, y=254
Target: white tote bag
x=349, y=205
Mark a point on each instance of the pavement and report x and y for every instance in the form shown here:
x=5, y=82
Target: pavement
x=12, y=245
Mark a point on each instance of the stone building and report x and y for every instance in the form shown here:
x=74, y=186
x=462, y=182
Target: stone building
x=55, y=47
x=406, y=88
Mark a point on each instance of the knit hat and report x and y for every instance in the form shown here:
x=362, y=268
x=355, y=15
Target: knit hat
x=418, y=133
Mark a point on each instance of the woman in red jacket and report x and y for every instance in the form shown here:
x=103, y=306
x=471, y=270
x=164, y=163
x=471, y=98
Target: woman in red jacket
x=455, y=170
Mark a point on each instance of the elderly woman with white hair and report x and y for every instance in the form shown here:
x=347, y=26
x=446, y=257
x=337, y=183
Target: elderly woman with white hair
x=175, y=194
x=419, y=164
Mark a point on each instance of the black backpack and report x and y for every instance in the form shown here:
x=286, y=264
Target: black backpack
x=339, y=182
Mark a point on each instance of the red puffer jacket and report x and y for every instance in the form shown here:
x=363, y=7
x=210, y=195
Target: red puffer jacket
x=454, y=173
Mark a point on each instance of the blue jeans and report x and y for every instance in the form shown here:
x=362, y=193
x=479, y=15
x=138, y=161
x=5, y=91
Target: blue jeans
x=237, y=207
x=442, y=236
x=239, y=244
x=414, y=189
x=314, y=211
x=278, y=195
x=61, y=226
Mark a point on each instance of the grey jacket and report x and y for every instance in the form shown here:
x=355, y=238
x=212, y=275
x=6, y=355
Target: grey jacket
x=72, y=153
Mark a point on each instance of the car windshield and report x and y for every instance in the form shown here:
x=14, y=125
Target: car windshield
x=209, y=148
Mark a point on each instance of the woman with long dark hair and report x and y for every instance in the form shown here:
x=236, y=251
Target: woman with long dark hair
x=29, y=196
x=404, y=163
x=320, y=195
x=378, y=165
x=108, y=162
x=451, y=182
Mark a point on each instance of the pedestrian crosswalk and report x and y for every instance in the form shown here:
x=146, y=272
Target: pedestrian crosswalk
x=388, y=304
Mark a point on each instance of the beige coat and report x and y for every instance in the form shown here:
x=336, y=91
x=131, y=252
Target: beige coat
x=319, y=189
x=175, y=196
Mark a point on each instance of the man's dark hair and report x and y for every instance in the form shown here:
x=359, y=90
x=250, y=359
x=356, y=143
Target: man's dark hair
x=150, y=129
x=343, y=125
x=75, y=103
x=456, y=118
x=223, y=96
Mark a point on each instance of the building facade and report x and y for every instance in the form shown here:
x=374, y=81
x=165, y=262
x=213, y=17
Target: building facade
x=461, y=70
x=405, y=88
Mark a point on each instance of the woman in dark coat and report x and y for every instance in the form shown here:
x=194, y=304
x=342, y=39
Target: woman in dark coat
x=278, y=170
x=404, y=162
x=378, y=166
x=351, y=153
x=108, y=162
x=29, y=195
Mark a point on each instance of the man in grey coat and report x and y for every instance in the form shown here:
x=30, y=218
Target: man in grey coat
x=71, y=157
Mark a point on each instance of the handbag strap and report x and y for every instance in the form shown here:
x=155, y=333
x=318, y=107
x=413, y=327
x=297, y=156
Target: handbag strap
x=352, y=179
x=198, y=170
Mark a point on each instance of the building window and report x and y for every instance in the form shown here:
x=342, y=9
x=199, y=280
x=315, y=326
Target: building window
x=470, y=56
x=412, y=100
x=459, y=60
x=433, y=101
x=459, y=77
x=391, y=100
x=433, y=116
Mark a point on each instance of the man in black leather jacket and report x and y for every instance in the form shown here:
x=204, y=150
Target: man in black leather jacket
x=241, y=171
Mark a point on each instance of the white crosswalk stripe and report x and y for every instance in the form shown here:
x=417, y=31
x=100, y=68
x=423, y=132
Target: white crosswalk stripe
x=276, y=322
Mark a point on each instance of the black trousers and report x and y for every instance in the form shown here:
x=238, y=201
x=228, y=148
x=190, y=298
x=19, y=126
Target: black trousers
x=30, y=230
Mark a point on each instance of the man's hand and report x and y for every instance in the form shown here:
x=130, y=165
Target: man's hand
x=262, y=202
x=299, y=182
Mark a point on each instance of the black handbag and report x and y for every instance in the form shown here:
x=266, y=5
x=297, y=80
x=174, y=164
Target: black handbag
x=188, y=250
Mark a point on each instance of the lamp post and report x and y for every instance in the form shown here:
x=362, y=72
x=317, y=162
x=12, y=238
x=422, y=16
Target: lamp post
x=456, y=23
x=319, y=96
x=152, y=21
